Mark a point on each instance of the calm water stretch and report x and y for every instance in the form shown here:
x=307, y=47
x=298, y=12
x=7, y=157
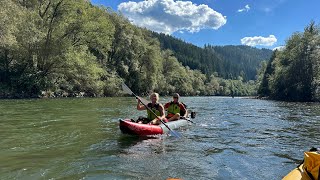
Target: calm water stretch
x=232, y=138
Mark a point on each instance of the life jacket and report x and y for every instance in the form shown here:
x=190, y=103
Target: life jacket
x=174, y=108
x=311, y=164
x=155, y=109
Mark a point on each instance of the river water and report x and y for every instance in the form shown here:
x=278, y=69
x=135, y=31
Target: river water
x=232, y=138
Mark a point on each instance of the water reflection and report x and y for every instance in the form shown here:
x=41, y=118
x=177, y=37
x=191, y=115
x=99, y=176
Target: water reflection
x=130, y=144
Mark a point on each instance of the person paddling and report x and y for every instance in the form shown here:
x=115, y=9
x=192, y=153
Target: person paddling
x=176, y=110
x=156, y=107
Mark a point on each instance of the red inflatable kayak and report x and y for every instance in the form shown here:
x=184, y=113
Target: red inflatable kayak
x=129, y=127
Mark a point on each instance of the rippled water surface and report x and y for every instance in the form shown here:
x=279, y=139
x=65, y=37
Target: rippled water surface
x=232, y=138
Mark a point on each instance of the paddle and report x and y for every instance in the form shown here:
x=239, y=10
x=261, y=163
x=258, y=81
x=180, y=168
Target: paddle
x=193, y=115
x=185, y=118
x=189, y=120
x=144, y=101
x=128, y=91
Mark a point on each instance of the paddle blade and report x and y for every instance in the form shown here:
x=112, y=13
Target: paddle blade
x=175, y=134
x=126, y=89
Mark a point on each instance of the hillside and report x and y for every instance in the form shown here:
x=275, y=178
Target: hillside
x=74, y=49
x=228, y=61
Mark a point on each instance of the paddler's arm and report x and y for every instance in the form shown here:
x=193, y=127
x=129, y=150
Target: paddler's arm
x=183, y=108
x=140, y=106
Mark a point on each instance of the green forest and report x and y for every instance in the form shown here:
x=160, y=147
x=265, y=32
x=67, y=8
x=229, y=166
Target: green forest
x=293, y=74
x=228, y=61
x=71, y=48
x=60, y=48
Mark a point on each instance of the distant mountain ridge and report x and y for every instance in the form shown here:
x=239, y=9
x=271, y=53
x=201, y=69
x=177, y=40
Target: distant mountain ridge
x=228, y=61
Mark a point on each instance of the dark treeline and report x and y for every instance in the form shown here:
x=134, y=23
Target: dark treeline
x=244, y=59
x=228, y=62
x=293, y=74
x=55, y=48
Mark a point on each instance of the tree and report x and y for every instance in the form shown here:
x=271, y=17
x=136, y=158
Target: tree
x=266, y=71
x=292, y=74
x=11, y=16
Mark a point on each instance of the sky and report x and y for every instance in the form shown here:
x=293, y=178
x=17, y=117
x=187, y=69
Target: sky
x=256, y=23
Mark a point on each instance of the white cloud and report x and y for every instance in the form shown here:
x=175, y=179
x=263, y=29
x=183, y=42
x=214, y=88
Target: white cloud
x=168, y=16
x=259, y=40
x=246, y=8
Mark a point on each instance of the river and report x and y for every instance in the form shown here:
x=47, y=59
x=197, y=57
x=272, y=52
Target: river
x=232, y=138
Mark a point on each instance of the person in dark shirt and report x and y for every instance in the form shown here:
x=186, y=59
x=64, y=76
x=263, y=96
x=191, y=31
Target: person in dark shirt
x=156, y=108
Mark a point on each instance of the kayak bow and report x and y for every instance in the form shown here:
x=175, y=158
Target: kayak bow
x=133, y=128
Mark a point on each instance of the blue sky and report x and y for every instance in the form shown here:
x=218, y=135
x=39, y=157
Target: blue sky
x=257, y=23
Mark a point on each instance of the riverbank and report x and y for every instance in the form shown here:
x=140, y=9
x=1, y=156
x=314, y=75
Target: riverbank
x=47, y=94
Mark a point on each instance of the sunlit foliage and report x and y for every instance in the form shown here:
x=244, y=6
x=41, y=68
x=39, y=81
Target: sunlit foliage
x=293, y=74
x=68, y=48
